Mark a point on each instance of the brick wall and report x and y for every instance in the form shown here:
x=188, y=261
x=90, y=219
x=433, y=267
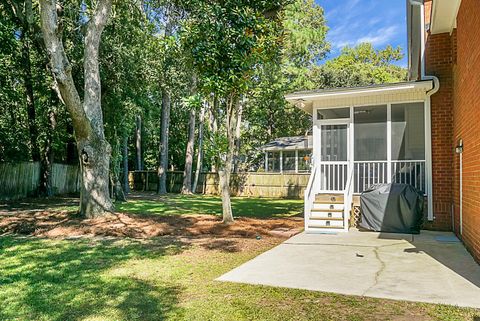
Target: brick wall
x=455, y=59
x=438, y=62
x=466, y=121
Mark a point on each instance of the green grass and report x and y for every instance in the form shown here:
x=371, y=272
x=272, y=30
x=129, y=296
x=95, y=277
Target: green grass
x=164, y=279
x=198, y=204
x=170, y=278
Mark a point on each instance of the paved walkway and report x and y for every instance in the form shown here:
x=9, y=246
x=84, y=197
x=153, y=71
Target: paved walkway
x=431, y=267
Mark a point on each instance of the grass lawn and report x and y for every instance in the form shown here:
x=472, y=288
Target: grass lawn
x=203, y=204
x=170, y=276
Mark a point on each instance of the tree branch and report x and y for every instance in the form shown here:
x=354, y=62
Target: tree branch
x=61, y=68
x=93, y=90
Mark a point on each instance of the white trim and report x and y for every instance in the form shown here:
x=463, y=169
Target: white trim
x=361, y=91
x=444, y=15
x=351, y=138
x=389, y=143
x=266, y=161
x=281, y=161
x=422, y=41
x=428, y=158
x=296, y=161
x=461, y=192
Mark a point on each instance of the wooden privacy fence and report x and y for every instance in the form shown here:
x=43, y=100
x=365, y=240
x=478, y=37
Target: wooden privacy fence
x=18, y=180
x=254, y=184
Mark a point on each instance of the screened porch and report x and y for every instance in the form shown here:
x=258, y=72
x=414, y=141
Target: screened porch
x=376, y=143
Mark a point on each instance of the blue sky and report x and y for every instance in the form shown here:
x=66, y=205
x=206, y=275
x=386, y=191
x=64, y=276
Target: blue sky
x=380, y=22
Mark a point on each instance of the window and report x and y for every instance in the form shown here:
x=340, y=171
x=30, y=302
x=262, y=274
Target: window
x=408, y=131
x=333, y=113
x=288, y=161
x=370, y=133
x=273, y=161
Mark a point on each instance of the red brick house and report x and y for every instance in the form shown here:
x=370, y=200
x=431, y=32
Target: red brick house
x=424, y=132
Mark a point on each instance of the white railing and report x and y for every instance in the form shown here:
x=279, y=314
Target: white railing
x=410, y=172
x=310, y=193
x=370, y=173
x=333, y=176
x=348, y=199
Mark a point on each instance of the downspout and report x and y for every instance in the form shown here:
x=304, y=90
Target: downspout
x=428, y=121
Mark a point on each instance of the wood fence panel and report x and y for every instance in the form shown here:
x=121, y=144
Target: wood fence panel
x=65, y=179
x=273, y=185
x=20, y=180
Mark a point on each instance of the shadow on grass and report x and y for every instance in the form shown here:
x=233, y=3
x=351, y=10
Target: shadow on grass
x=70, y=280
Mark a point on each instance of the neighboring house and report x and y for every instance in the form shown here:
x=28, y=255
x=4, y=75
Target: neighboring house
x=288, y=154
x=424, y=132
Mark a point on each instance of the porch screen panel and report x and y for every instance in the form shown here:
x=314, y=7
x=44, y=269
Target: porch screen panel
x=333, y=113
x=408, y=131
x=408, y=144
x=370, y=146
x=334, y=143
x=370, y=133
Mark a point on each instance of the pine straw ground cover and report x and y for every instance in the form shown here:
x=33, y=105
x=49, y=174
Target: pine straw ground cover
x=158, y=258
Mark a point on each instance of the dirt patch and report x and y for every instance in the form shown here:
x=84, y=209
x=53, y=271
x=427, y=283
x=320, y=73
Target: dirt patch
x=207, y=230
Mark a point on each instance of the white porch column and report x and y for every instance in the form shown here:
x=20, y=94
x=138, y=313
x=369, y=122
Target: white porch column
x=281, y=161
x=266, y=161
x=389, y=143
x=296, y=161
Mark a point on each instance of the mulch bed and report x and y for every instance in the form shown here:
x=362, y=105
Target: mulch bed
x=46, y=222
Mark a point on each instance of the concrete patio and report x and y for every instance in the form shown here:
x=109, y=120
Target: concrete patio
x=432, y=267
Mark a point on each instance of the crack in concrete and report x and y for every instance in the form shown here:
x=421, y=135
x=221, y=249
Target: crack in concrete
x=378, y=273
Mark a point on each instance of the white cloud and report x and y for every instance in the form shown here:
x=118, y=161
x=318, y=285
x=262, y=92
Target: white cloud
x=381, y=36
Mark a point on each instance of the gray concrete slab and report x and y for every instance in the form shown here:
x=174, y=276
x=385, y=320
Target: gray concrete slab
x=432, y=267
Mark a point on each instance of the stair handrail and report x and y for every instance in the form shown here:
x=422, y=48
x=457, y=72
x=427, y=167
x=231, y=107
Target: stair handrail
x=348, y=197
x=309, y=195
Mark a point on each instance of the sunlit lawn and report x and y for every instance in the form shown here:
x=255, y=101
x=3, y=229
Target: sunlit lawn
x=198, y=204
x=170, y=278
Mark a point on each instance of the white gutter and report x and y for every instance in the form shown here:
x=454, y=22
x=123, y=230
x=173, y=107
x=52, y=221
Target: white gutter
x=428, y=120
x=357, y=92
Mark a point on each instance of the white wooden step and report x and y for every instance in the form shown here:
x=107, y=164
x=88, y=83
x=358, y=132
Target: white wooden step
x=327, y=214
x=326, y=223
x=324, y=230
x=325, y=206
x=329, y=198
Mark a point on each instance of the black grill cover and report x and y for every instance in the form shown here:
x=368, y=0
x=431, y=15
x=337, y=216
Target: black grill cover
x=396, y=208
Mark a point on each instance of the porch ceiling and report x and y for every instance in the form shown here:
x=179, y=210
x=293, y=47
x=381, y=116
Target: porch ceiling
x=358, y=96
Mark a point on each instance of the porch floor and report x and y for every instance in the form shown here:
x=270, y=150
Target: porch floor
x=432, y=267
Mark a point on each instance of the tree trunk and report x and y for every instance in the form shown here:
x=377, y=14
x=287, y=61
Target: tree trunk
x=213, y=123
x=126, y=186
x=164, y=132
x=200, y=149
x=117, y=189
x=138, y=143
x=238, y=131
x=93, y=149
x=46, y=187
x=224, y=186
x=95, y=167
x=225, y=163
x=29, y=95
x=187, y=173
x=71, y=157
